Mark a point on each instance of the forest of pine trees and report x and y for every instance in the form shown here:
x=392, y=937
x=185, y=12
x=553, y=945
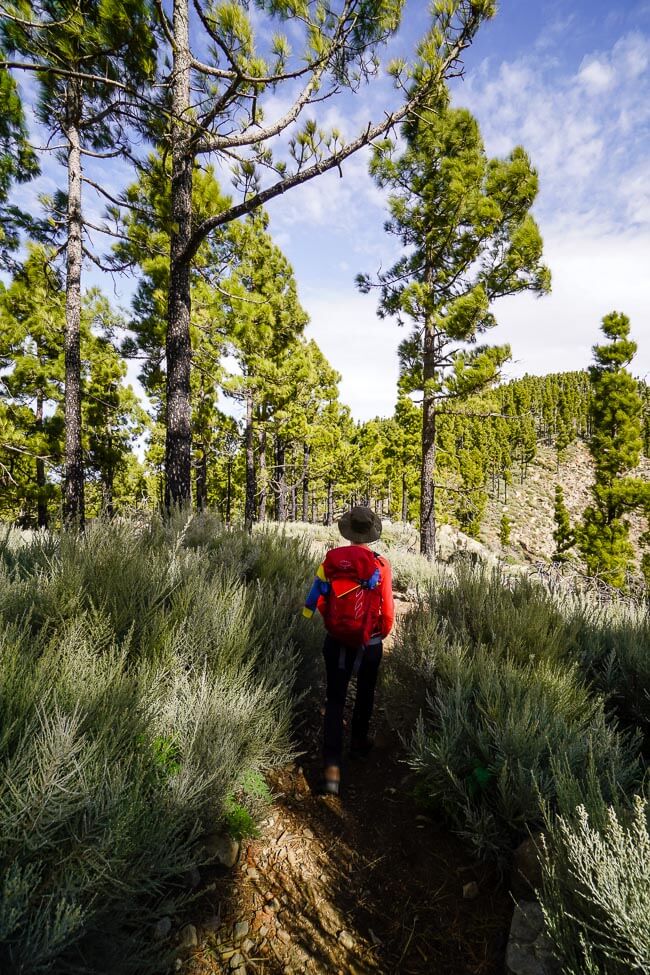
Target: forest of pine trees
x=241, y=411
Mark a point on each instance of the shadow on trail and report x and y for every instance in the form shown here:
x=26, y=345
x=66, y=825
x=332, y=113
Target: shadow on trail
x=358, y=884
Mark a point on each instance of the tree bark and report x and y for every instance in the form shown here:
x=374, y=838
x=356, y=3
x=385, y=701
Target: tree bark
x=109, y=480
x=251, y=485
x=405, y=500
x=280, y=477
x=263, y=472
x=202, y=478
x=293, y=503
x=329, y=518
x=228, y=489
x=305, y=483
x=178, y=350
x=427, y=488
x=73, y=484
x=41, y=484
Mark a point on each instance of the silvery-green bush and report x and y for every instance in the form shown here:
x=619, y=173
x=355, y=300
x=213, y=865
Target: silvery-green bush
x=489, y=690
x=596, y=887
x=485, y=745
x=147, y=672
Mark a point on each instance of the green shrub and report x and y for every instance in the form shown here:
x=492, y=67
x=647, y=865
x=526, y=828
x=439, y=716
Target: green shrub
x=613, y=644
x=146, y=679
x=485, y=746
x=515, y=616
x=596, y=888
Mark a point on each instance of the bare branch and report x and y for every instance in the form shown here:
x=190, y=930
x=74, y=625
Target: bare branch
x=112, y=199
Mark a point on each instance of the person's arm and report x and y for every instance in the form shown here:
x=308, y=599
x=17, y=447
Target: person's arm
x=387, y=602
x=320, y=587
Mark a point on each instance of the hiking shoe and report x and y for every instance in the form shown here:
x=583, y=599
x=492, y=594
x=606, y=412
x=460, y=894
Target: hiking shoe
x=361, y=747
x=331, y=781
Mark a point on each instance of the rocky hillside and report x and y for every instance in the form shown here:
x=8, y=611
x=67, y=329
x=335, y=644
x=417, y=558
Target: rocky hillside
x=530, y=505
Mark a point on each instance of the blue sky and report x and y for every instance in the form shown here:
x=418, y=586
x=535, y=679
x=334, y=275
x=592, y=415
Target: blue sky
x=571, y=82
x=568, y=80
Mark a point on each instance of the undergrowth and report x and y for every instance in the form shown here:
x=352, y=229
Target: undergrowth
x=148, y=672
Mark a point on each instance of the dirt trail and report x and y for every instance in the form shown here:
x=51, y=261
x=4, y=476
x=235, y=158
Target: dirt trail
x=363, y=883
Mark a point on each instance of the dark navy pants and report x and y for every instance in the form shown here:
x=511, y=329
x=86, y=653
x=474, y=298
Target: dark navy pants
x=338, y=679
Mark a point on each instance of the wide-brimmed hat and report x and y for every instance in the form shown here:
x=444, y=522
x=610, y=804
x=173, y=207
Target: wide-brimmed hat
x=360, y=525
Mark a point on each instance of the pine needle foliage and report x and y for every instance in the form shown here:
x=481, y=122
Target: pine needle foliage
x=144, y=685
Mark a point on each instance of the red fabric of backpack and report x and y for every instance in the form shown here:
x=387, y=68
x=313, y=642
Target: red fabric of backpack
x=352, y=607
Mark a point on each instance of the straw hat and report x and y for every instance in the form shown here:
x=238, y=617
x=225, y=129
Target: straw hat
x=361, y=525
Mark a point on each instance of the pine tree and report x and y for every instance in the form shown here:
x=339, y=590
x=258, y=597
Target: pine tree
x=264, y=317
x=616, y=443
x=80, y=54
x=217, y=108
x=17, y=164
x=32, y=317
x=505, y=526
x=471, y=239
x=563, y=535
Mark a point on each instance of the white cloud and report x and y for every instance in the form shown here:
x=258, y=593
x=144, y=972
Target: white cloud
x=594, y=273
x=586, y=129
x=360, y=346
x=597, y=76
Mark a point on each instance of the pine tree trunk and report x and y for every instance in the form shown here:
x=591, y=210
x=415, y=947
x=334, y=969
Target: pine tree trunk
x=109, y=480
x=330, y=504
x=263, y=475
x=292, y=489
x=73, y=484
x=41, y=483
x=202, y=478
x=178, y=445
x=228, y=489
x=427, y=493
x=293, y=503
x=281, y=494
x=251, y=486
x=305, y=483
x=405, y=500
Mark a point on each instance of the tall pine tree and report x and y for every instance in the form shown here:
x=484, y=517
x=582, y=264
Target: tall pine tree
x=469, y=239
x=616, y=444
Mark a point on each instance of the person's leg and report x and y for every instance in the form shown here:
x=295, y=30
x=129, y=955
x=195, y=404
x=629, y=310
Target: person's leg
x=337, y=687
x=365, y=699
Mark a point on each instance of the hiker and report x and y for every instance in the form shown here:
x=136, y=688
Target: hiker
x=353, y=591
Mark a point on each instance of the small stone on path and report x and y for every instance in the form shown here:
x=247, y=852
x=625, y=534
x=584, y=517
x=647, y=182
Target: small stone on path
x=529, y=949
x=241, y=930
x=222, y=848
x=189, y=938
x=162, y=928
x=470, y=891
x=284, y=936
x=346, y=939
x=236, y=960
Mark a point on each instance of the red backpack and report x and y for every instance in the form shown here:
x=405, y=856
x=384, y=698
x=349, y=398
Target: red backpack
x=352, y=607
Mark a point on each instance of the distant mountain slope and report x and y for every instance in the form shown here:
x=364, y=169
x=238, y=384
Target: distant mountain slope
x=530, y=505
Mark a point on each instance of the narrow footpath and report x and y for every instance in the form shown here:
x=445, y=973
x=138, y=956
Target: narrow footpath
x=363, y=883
